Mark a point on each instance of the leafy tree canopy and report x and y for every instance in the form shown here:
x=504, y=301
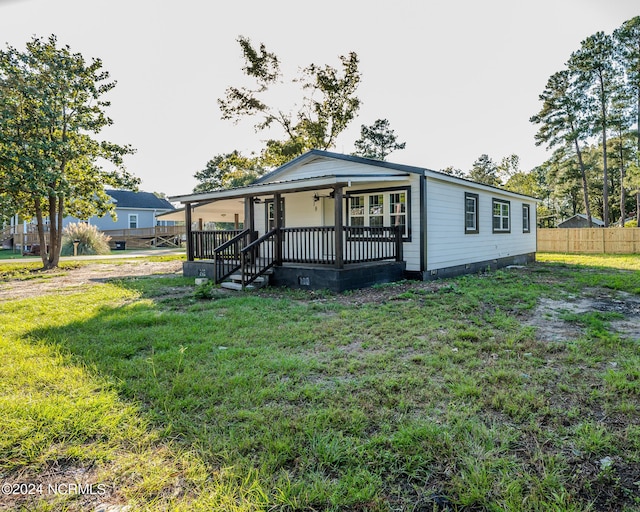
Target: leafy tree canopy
x=377, y=141
x=328, y=105
x=227, y=171
x=485, y=171
x=52, y=107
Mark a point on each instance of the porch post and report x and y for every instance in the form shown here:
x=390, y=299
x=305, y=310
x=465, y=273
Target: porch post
x=187, y=221
x=399, y=247
x=249, y=214
x=277, y=220
x=339, y=225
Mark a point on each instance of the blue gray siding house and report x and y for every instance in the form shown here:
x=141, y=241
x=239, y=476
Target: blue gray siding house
x=133, y=210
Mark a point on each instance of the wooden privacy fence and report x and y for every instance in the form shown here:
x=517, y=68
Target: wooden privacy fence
x=590, y=240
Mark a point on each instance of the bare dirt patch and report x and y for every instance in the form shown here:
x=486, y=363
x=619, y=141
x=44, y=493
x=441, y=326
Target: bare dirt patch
x=551, y=325
x=70, y=280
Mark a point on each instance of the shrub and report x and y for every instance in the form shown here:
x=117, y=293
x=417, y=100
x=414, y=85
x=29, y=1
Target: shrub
x=90, y=240
x=631, y=224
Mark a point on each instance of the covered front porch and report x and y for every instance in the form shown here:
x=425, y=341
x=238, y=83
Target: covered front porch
x=262, y=239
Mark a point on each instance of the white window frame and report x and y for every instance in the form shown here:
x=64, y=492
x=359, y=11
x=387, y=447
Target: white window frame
x=398, y=216
x=134, y=217
x=501, y=211
x=367, y=206
x=471, y=229
x=526, y=218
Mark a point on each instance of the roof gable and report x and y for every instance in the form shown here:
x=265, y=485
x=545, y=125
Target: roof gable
x=146, y=200
x=317, y=163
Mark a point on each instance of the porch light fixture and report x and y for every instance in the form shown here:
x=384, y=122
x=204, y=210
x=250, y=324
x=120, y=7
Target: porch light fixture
x=316, y=197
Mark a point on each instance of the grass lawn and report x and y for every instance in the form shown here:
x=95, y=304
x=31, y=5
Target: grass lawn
x=410, y=396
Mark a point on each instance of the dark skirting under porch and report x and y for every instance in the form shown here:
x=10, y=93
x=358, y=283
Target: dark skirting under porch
x=318, y=277
x=351, y=277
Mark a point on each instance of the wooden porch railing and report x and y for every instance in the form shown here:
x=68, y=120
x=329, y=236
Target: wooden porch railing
x=240, y=250
x=204, y=243
x=361, y=244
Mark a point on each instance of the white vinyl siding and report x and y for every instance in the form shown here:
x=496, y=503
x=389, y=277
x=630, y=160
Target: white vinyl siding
x=449, y=246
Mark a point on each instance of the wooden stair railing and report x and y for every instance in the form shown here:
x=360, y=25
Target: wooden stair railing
x=258, y=257
x=227, y=257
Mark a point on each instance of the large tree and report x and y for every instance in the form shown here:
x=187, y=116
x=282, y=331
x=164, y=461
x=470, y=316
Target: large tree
x=627, y=40
x=562, y=123
x=227, y=171
x=485, y=171
x=325, y=111
x=377, y=141
x=328, y=104
x=52, y=107
x=596, y=78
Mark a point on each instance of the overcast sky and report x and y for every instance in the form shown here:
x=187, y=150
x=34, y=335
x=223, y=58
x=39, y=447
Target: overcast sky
x=455, y=79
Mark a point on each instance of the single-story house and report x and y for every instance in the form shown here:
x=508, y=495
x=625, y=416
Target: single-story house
x=580, y=220
x=328, y=220
x=133, y=210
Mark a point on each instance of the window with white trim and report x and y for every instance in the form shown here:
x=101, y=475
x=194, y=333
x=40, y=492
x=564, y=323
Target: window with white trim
x=271, y=213
x=471, y=213
x=356, y=211
x=380, y=208
x=376, y=210
x=398, y=209
x=133, y=220
x=526, y=218
x=501, y=216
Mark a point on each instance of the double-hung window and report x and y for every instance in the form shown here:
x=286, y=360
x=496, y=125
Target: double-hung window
x=471, y=213
x=376, y=210
x=526, y=219
x=501, y=216
x=380, y=208
x=133, y=220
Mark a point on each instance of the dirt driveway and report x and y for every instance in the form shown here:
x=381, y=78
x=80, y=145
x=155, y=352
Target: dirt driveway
x=68, y=280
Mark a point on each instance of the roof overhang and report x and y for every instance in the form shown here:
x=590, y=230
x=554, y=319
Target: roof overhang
x=215, y=211
x=284, y=187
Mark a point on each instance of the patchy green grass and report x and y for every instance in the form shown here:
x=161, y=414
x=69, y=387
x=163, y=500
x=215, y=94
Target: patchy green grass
x=603, y=261
x=412, y=396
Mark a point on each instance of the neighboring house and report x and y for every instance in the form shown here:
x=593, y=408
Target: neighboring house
x=133, y=210
x=327, y=220
x=580, y=220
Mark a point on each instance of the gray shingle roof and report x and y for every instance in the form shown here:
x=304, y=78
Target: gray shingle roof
x=128, y=199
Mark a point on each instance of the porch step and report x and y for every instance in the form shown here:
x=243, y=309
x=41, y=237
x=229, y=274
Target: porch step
x=234, y=282
x=232, y=285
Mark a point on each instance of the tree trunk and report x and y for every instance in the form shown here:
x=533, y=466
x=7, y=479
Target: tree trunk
x=623, y=194
x=41, y=233
x=585, y=188
x=605, y=182
x=54, y=253
x=53, y=231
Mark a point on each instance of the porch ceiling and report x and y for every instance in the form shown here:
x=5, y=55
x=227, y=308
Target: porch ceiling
x=283, y=187
x=217, y=211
